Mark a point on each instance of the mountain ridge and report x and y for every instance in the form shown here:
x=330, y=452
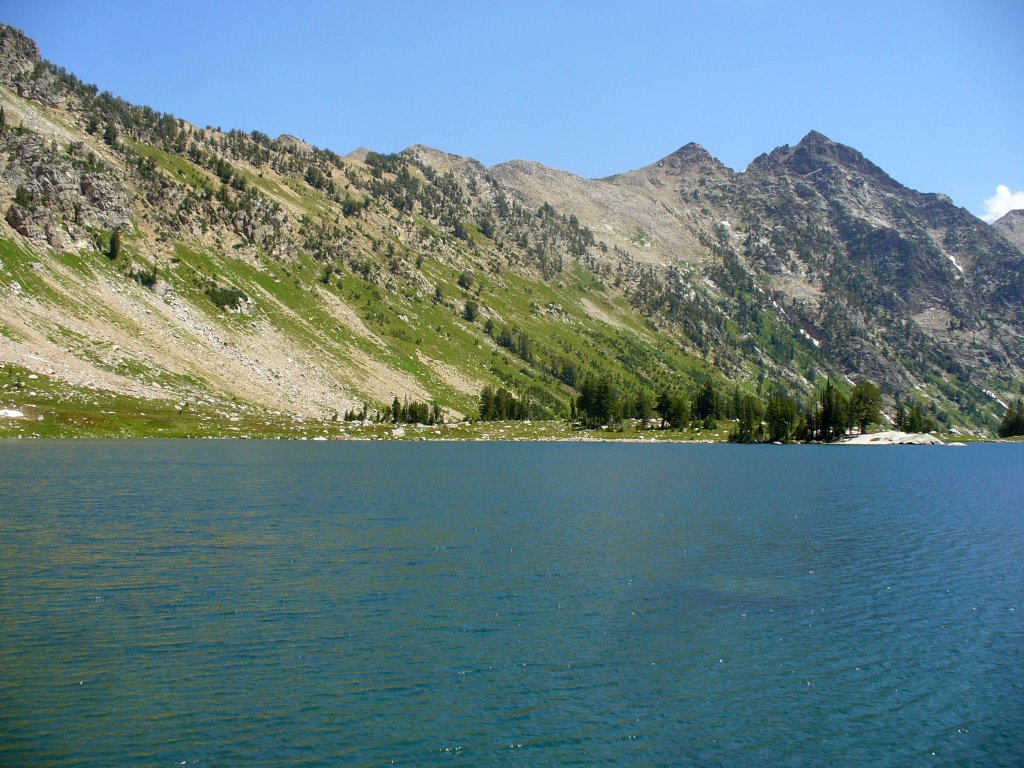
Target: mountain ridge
x=238, y=268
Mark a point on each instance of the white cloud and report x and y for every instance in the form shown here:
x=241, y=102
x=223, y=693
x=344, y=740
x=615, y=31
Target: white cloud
x=1001, y=203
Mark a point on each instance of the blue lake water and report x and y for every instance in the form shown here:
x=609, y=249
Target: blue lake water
x=283, y=604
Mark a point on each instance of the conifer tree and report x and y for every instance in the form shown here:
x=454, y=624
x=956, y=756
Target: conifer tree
x=865, y=405
x=663, y=407
x=780, y=414
x=1012, y=424
x=748, y=420
x=115, y=243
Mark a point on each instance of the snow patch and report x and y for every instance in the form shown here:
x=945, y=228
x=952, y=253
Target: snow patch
x=10, y=413
x=995, y=397
x=813, y=340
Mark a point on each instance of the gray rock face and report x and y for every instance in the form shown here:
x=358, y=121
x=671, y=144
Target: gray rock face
x=66, y=196
x=262, y=226
x=24, y=221
x=18, y=54
x=23, y=70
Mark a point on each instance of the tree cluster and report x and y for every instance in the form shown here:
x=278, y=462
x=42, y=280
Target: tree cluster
x=415, y=412
x=780, y=418
x=830, y=416
x=502, y=405
x=600, y=402
x=913, y=418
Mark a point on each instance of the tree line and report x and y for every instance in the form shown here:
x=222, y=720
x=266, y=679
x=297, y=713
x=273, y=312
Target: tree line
x=400, y=412
x=826, y=417
x=501, y=405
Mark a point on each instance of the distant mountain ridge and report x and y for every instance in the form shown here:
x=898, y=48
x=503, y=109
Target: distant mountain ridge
x=161, y=260
x=1011, y=226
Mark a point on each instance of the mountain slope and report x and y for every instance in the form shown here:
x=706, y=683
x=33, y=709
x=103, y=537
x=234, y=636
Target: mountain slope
x=144, y=257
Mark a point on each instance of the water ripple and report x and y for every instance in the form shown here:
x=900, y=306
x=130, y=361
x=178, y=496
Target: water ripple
x=268, y=604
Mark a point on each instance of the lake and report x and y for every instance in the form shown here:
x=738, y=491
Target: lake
x=219, y=603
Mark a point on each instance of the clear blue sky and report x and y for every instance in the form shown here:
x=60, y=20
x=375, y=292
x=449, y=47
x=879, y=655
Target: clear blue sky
x=930, y=90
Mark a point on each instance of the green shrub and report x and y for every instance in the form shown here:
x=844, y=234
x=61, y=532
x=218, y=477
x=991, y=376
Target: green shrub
x=226, y=298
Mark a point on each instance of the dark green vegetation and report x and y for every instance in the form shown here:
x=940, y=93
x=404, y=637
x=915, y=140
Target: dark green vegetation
x=774, y=417
x=502, y=405
x=165, y=262
x=1012, y=424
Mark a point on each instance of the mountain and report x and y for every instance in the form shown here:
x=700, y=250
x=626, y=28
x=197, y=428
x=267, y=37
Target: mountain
x=901, y=287
x=149, y=265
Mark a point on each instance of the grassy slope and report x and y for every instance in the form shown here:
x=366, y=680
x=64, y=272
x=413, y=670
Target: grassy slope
x=288, y=296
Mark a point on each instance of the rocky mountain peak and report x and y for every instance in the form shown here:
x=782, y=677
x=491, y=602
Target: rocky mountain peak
x=442, y=161
x=689, y=158
x=818, y=140
x=359, y=154
x=294, y=143
x=1011, y=226
x=814, y=152
x=815, y=149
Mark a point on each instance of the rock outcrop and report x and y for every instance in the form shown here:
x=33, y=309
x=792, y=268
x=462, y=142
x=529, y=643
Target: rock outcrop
x=19, y=54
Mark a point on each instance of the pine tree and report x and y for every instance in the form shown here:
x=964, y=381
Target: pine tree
x=865, y=405
x=748, y=420
x=115, y=243
x=642, y=407
x=781, y=417
x=487, y=404
x=663, y=407
x=706, y=405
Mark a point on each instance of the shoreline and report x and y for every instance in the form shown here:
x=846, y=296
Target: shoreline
x=914, y=440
